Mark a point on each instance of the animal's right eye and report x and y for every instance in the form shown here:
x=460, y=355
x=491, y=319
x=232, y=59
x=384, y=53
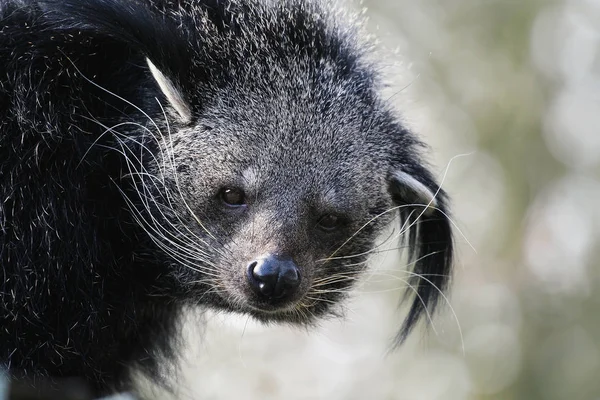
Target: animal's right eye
x=233, y=197
x=331, y=222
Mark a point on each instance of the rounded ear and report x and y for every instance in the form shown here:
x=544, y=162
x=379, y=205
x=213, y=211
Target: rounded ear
x=408, y=189
x=173, y=94
x=426, y=226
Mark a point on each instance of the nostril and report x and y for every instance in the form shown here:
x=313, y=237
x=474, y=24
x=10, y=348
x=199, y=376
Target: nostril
x=254, y=280
x=251, y=267
x=263, y=277
x=290, y=277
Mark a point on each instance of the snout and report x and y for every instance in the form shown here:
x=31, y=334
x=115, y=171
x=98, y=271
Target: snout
x=274, y=279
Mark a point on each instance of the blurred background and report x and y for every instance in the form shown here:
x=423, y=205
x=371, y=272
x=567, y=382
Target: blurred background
x=507, y=93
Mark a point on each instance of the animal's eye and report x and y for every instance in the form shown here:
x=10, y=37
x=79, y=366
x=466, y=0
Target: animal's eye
x=330, y=222
x=233, y=197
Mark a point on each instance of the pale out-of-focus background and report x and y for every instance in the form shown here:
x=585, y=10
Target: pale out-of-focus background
x=514, y=87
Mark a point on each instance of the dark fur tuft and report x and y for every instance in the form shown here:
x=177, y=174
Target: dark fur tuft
x=431, y=246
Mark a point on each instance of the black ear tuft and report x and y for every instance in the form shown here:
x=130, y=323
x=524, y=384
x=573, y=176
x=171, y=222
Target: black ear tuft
x=424, y=208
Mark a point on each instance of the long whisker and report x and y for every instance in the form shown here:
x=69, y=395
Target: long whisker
x=421, y=276
x=147, y=194
x=370, y=251
x=177, y=176
x=184, y=254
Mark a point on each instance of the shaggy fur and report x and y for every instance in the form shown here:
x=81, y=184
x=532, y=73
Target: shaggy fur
x=120, y=123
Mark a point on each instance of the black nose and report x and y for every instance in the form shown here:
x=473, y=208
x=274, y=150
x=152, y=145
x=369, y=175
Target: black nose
x=274, y=277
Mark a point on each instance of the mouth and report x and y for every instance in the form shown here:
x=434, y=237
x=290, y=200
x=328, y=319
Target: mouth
x=272, y=309
x=295, y=311
x=303, y=311
x=291, y=314
x=273, y=306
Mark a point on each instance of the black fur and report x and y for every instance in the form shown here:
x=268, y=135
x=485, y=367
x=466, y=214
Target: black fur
x=107, y=234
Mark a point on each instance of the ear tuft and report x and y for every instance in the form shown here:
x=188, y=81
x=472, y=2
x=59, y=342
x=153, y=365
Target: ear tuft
x=171, y=92
x=426, y=218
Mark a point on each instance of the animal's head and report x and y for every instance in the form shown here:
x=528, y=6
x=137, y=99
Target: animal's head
x=276, y=164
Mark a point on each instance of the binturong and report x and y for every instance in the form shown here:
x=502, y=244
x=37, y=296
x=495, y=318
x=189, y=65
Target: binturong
x=158, y=156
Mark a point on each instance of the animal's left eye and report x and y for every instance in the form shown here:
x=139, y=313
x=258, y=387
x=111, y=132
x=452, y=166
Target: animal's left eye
x=330, y=222
x=233, y=197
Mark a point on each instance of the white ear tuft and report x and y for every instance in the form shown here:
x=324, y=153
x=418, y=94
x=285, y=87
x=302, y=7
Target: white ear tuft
x=414, y=191
x=172, y=94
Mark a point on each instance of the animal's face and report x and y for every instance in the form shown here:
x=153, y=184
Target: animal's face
x=281, y=193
